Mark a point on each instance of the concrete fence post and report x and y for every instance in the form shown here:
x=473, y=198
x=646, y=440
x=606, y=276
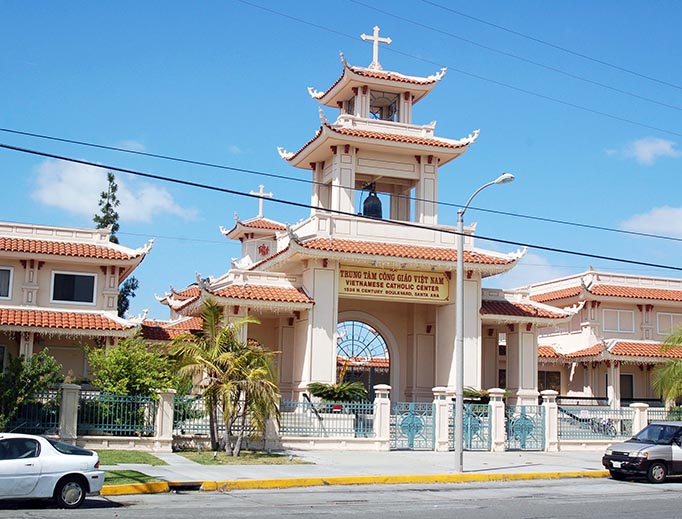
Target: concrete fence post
x=551, y=420
x=163, y=429
x=382, y=416
x=68, y=413
x=640, y=417
x=441, y=419
x=497, y=415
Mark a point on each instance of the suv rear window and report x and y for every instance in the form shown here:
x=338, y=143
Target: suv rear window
x=67, y=448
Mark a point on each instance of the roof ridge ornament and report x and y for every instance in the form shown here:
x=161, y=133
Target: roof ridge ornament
x=375, y=39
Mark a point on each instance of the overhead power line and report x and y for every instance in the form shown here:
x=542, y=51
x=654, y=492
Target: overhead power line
x=518, y=57
x=553, y=45
x=313, y=182
x=476, y=76
x=331, y=211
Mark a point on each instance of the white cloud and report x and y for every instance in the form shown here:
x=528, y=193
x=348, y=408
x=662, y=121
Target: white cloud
x=532, y=268
x=132, y=145
x=648, y=150
x=664, y=220
x=234, y=149
x=76, y=188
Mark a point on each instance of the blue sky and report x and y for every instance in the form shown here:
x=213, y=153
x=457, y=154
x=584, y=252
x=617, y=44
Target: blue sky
x=226, y=82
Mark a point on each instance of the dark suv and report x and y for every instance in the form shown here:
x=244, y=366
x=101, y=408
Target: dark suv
x=655, y=453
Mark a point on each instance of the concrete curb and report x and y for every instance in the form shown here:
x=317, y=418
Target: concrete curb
x=252, y=484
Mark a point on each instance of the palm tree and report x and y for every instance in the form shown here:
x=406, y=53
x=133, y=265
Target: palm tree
x=667, y=378
x=207, y=356
x=236, y=376
x=248, y=390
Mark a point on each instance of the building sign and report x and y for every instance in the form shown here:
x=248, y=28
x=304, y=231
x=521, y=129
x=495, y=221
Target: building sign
x=412, y=285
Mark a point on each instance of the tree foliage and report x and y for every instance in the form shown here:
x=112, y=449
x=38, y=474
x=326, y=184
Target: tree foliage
x=133, y=367
x=108, y=202
x=666, y=379
x=344, y=391
x=236, y=377
x=23, y=379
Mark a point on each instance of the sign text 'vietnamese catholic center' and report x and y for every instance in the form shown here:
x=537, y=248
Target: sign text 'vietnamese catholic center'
x=376, y=283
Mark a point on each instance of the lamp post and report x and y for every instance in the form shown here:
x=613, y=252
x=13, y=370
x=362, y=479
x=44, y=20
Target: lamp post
x=459, y=323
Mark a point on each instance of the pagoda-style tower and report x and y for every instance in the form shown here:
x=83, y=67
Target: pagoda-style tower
x=374, y=145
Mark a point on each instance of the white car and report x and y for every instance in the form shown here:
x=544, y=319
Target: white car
x=36, y=467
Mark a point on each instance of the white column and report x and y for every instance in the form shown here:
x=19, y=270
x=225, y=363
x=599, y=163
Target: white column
x=441, y=418
x=163, y=430
x=613, y=389
x=68, y=413
x=497, y=416
x=641, y=416
x=551, y=420
x=382, y=416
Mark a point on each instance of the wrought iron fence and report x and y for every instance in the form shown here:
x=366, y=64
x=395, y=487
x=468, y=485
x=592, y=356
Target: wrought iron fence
x=40, y=415
x=412, y=426
x=117, y=415
x=525, y=427
x=476, y=427
x=594, y=423
x=327, y=419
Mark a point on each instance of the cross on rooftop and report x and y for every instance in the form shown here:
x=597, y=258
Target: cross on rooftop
x=375, y=39
x=261, y=194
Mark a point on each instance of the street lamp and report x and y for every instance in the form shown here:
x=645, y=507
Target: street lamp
x=459, y=323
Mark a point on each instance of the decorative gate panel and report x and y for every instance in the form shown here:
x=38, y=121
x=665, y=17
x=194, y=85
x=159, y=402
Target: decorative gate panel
x=525, y=427
x=476, y=427
x=412, y=426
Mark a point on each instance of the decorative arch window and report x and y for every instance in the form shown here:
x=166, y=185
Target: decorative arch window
x=384, y=106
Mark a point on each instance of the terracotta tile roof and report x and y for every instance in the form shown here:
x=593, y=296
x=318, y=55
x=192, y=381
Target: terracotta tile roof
x=376, y=362
x=383, y=136
x=547, y=352
x=392, y=137
x=167, y=330
x=56, y=248
x=644, y=349
x=557, y=294
x=264, y=223
x=401, y=251
x=490, y=307
x=636, y=292
x=30, y=318
x=264, y=293
x=381, y=74
x=592, y=351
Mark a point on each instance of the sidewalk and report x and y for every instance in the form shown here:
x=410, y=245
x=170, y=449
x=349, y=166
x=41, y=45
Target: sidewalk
x=359, y=467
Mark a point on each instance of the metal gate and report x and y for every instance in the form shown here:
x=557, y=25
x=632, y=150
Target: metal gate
x=525, y=426
x=412, y=426
x=476, y=427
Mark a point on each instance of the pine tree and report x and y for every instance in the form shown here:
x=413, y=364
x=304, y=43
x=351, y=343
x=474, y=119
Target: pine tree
x=108, y=202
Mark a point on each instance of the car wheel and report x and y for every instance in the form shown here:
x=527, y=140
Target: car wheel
x=657, y=472
x=70, y=492
x=618, y=476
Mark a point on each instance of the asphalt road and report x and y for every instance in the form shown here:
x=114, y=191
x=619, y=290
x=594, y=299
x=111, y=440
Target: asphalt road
x=602, y=498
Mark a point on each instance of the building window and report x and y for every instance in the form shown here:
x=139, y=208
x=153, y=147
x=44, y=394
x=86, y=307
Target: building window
x=5, y=282
x=502, y=378
x=73, y=288
x=619, y=321
x=666, y=323
x=549, y=380
x=350, y=106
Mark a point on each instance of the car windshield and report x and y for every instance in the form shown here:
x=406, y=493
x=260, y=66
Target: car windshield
x=66, y=448
x=657, y=433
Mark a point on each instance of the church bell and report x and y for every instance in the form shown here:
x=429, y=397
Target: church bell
x=372, y=206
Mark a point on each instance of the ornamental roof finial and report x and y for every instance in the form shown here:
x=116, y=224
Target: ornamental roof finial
x=375, y=39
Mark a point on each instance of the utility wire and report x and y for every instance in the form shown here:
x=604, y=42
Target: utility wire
x=313, y=182
x=333, y=211
x=477, y=76
x=517, y=57
x=552, y=45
